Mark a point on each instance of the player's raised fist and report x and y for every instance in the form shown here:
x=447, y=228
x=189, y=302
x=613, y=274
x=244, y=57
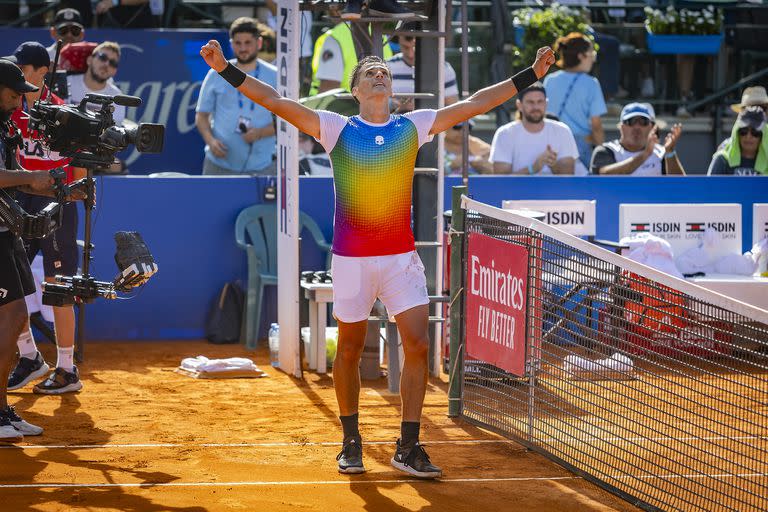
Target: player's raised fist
x=213, y=56
x=545, y=57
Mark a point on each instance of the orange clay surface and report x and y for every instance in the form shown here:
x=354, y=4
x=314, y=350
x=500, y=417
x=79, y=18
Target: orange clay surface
x=140, y=437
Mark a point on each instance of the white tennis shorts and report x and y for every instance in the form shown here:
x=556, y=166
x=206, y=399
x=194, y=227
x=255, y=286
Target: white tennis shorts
x=397, y=279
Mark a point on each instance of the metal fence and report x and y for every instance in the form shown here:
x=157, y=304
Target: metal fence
x=650, y=386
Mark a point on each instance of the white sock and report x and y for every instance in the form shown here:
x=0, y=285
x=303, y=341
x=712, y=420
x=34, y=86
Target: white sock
x=65, y=359
x=27, y=346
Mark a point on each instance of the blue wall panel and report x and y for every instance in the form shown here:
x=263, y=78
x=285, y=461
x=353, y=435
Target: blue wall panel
x=188, y=224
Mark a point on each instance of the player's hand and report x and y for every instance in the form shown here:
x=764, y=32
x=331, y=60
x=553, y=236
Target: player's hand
x=103, y=6
x=213, y=55
x=545, y=57
x=218, y=148
x=40, y=182
x=671, y=139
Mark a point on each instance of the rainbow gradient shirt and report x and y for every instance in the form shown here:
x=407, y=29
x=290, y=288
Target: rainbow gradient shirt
x=373, y=180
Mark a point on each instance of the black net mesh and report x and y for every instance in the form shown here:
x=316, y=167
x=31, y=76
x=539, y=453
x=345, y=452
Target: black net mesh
x=659, y=396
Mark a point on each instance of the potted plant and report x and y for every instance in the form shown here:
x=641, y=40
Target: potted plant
x=684, y=31
x=534, y=28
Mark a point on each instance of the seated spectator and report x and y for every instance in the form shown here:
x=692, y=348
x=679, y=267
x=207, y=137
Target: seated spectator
x=751, y=97
x=574, y=96
x=746, y=152
x=402, y=67
x=239, y=135
x=638, y=151
x=533, y=144
x=102, y=67
x=313, y=160
x=67, y=26
x=479, y=155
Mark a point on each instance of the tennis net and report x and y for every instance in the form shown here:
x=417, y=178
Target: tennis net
x=648, y=385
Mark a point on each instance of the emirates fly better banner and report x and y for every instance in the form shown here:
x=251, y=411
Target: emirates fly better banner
x=496, y=302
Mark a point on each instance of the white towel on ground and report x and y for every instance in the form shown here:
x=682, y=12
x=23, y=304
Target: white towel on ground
x=203, y=364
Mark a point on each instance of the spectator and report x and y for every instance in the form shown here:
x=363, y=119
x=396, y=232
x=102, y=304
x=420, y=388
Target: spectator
x=59, y=249
x=102, y=67
x=239, y=135
x=574, y=96
x=638, y=151
x=479, y=154
x=752, y=96
x=403, y=70
x=533, y=144
x=746, y=152
x=67, y=26
x=313, y=160
x=124, y=14
x=334, y=58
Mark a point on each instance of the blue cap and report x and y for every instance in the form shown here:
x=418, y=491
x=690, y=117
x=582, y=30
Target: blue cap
x=631, y=110
x=32, y=53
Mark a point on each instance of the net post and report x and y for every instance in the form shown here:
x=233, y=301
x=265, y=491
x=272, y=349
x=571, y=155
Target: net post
x=456, y=238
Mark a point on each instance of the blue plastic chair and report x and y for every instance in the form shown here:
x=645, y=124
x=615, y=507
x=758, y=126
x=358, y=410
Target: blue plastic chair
x=256, y=233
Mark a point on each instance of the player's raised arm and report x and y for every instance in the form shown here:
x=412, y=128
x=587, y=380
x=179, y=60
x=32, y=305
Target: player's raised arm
x=303, y=118
x=493, y=96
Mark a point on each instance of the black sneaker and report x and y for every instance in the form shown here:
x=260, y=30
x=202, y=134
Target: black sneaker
x=352, y=10
x=26, y=371
x=415, y=461
x=351, y=456
x=60, y=381
x=8, y=434
x=388, y=9
x=19, y=424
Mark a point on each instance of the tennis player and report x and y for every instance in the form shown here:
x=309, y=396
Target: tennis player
x=373, y=156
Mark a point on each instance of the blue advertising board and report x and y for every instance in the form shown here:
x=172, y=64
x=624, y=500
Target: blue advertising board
x=163, y=68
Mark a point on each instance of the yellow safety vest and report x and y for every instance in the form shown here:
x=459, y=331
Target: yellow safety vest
x=343, y=36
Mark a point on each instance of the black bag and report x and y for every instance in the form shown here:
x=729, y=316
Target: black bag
x=226, y=315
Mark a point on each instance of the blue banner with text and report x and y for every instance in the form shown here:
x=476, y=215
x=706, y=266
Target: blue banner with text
x=163, y=68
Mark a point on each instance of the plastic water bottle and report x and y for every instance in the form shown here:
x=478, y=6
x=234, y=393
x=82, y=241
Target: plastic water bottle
x=274, y=345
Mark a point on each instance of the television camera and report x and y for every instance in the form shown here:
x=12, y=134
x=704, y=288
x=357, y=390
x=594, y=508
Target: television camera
x=91, y=139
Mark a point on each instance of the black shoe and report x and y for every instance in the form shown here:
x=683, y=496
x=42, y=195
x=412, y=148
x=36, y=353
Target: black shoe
x=352, y=10
x=388, y=9
x=60, y=381
x=415, y=461
x=351, y=456
x=26, y=371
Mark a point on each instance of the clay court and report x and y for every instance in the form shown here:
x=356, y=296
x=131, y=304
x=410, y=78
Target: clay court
x=140, y=437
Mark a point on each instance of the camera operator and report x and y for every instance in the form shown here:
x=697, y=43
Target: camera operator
x=15, y=274
x=60, y=253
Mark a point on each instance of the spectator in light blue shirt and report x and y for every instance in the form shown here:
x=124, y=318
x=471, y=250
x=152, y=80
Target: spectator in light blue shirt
x=239, y=134
x=575, y=96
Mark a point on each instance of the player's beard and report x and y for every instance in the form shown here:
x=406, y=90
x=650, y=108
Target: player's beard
x=533, y=118
x=5, y=115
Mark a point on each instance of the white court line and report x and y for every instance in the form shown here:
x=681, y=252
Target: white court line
x=233, y=445
x=282, y=483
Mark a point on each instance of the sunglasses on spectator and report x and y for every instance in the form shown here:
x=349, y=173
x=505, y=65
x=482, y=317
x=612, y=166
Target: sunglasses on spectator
x=70, y=29
x=747, y=129
x=103, y=57
x=642, y=121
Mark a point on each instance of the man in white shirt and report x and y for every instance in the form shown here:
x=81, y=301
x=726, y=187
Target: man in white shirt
x=534, y=144
x=102, y=66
